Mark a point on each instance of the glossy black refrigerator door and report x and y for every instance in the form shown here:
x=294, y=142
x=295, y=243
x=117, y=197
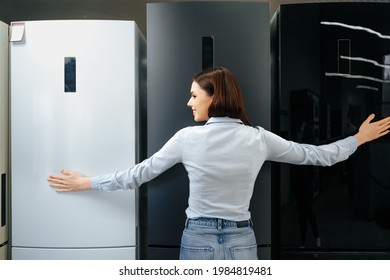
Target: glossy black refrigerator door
x=331, y=66
x=184, y=38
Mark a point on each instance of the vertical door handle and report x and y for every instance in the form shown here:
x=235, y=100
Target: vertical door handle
x=3, y=199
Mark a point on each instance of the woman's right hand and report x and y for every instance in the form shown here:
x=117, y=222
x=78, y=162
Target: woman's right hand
x=69, y=181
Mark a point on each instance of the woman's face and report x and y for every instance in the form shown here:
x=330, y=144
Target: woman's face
x=199, y=103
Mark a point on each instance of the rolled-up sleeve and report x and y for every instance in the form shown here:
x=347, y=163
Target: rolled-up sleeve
x=281, y=150
x=133, y=177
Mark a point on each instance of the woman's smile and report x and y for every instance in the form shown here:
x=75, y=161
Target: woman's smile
x=199, y=103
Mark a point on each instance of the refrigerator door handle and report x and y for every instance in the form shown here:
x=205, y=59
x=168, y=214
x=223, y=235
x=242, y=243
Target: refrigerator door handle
x=207, y=52
x=3, y=200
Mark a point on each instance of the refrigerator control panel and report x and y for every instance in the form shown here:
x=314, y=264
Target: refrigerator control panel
x=70, y=74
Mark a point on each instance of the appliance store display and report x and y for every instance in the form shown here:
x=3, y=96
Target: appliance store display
x=73, y=96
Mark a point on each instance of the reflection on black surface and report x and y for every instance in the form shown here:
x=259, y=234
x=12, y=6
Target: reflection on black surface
x=333, y=68
x=353, y=27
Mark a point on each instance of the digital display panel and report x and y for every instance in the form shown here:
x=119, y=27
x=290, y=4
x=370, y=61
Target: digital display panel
x=70, y=74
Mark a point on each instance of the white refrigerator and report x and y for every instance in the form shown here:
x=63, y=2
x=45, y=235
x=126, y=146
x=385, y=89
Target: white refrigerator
x=74, y=92
x=4, y=190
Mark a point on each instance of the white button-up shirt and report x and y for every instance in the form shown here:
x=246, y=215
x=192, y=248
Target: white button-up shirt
x=223, y=158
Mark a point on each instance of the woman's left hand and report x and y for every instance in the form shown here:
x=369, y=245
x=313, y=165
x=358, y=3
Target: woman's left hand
x=369, y=131
x=69, y=182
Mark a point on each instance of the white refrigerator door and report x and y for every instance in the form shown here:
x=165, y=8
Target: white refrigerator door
x=79, y=116
x=3, y=139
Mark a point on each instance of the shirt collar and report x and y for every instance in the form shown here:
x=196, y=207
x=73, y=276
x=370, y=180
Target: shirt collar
x=223, y=120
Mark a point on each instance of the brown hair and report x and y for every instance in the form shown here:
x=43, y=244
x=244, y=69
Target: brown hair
x=227, y=96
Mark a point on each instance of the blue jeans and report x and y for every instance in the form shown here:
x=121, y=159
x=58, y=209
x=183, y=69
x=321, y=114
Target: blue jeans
x=218, y=239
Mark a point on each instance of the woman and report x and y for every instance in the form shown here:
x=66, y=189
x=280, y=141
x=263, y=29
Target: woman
x=222, y=159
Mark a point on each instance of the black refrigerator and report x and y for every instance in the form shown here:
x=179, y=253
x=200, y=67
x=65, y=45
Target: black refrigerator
x=331, y=69
x=183, y=39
